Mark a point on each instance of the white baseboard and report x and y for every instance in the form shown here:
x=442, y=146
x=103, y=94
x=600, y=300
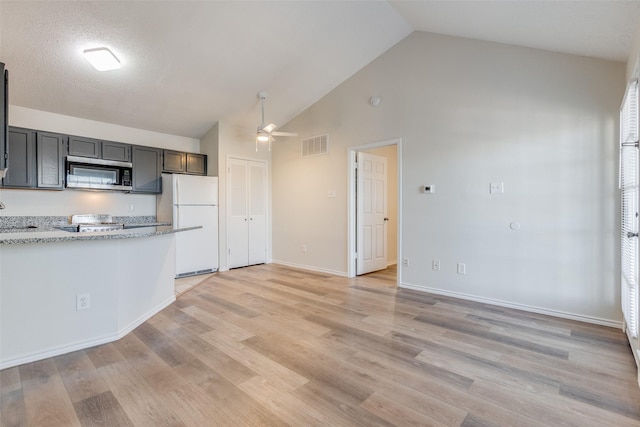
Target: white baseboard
x=148, y=315
x=523, y=307
x=311, y=268
x=81, y=345
x=57, y=351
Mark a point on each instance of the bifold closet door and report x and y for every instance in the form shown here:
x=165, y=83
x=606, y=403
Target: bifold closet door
x=247, y=196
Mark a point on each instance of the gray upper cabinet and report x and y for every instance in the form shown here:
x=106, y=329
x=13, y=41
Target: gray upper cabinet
x=85, y=147
x=196, y=164
x=116, y=151
x=22, y=163
x=98, y=149
x=181, y=162
x=173, y=161
x=50, y=149
x=147, y=170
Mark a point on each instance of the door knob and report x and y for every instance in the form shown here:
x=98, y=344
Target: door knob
x=386, y=219
x=631, y=234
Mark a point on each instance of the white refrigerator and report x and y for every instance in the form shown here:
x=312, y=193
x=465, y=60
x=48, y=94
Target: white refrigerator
x=189, y=201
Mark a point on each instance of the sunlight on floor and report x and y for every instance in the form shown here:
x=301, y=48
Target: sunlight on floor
x=185, y=284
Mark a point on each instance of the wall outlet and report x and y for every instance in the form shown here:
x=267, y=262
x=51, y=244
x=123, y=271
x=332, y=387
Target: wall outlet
x=304, y=248
x=496, y=187
x=430, y=189
x=435, y=264
x=83, y=302
x=405, y=262
x=462, y=268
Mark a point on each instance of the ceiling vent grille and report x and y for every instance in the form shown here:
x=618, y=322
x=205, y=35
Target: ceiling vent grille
x=316, y=146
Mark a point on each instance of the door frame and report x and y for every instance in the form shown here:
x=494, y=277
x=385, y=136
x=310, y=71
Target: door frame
x=351, y=203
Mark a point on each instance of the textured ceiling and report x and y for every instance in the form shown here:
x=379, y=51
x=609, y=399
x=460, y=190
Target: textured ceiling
x=187, y=65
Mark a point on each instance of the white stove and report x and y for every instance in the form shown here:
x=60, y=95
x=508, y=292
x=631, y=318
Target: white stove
x=94, y=222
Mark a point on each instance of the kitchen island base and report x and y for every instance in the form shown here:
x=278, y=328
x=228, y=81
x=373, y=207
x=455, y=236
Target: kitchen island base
x=64, y=296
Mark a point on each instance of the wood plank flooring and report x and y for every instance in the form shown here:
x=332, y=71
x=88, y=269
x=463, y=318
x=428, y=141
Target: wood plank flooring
x=271, y=345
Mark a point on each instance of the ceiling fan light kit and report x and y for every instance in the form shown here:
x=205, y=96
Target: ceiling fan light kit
x=266, y=133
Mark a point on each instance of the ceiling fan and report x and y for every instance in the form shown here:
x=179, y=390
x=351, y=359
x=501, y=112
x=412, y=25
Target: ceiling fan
x=266, y=133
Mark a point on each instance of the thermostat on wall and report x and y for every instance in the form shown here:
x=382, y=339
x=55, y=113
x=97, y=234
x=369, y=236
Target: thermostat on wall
x=429, y=189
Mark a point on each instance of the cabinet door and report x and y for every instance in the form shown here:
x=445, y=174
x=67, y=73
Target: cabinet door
x=257, y=195
x=174, y=161
x=22, y=163
x=238, y=227
x=50, y=160
x=196, y=164
x=85, y=147
x=116, y=151
x=147, y=170
x=247, y=224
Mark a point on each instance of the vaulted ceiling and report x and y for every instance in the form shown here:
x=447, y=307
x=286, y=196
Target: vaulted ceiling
x=187, y=65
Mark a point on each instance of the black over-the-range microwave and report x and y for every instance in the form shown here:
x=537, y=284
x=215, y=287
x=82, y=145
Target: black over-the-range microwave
x=98, y=174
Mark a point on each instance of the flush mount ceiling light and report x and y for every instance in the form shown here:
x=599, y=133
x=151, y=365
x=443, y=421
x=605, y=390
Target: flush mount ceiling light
x=102, y=59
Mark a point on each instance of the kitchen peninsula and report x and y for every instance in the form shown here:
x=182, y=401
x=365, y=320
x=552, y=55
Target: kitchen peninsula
x=62, y=291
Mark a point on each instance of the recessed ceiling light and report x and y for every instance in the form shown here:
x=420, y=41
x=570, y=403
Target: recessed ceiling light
x=102, y=59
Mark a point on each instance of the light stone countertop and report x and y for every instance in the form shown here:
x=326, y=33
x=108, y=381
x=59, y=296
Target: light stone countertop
x=49, y=235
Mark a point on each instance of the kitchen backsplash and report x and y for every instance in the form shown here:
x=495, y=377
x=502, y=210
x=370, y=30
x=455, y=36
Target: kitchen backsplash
x=70, y=202
x=57, y=221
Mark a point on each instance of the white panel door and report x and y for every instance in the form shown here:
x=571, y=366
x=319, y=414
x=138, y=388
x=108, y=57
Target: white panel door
x=238, y=244
x=371, y=213
x=247, y=196
x=257, y=182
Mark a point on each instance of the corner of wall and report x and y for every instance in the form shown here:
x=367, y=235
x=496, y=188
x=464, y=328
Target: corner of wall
x=634, y=56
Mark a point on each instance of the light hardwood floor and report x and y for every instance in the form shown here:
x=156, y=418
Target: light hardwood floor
x=272, y=345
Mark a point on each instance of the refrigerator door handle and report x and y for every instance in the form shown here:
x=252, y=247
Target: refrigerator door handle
x=178, y=192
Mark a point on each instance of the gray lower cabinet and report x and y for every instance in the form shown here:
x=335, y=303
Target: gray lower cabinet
x=22, y=163
x=147, y=170
x=50, y=152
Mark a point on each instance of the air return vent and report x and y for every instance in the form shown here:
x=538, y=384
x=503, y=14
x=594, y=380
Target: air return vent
x=316, y=146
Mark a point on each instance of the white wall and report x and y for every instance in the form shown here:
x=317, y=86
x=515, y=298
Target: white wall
x=634, y=55
x=471, y=113
x=233, y=141
x=69, y=202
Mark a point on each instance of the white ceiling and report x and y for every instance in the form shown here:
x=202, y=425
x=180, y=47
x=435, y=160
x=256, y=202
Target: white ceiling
x=187, y=65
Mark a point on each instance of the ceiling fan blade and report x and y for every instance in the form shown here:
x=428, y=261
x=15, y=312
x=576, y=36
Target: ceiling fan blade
x=270, y=127
x=284, y=133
